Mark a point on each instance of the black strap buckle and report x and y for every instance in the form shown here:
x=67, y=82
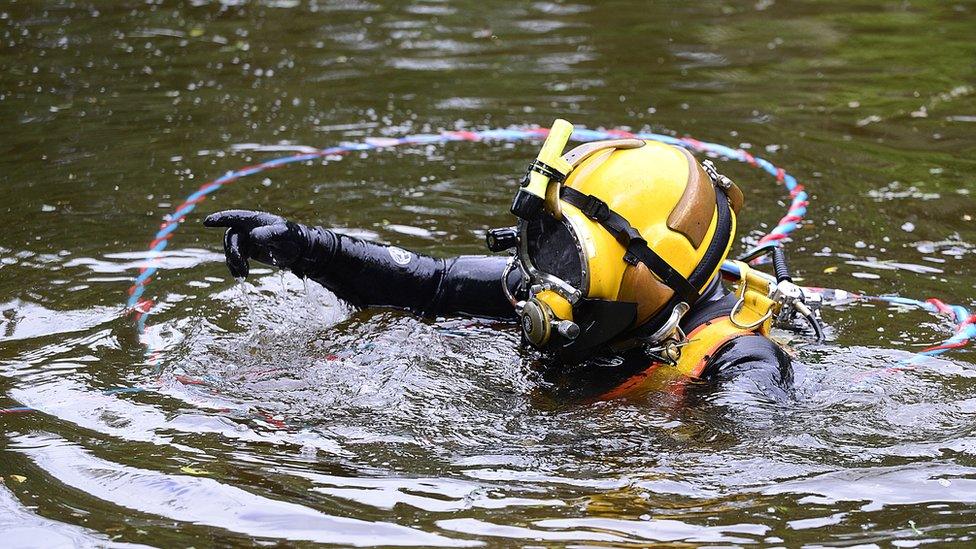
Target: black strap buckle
x=545, y=169
x=595, y=209
x=634, y=243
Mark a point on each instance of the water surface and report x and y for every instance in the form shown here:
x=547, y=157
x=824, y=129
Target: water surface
x=291, y=418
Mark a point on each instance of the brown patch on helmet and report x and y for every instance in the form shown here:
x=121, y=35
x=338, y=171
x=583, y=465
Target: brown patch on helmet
x=736, y=199
x=639, y=286
x=692, y=216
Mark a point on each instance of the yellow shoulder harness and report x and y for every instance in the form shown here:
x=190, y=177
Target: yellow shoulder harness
x=752, y=314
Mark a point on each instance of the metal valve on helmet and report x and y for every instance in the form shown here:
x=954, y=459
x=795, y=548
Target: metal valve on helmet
x=792, y=297
x=538, y=323
x=567, y=328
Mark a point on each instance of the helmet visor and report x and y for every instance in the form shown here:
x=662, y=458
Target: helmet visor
x=550, y=248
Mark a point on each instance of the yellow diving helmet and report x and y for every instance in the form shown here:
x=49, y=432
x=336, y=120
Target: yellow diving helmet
x=616, y=240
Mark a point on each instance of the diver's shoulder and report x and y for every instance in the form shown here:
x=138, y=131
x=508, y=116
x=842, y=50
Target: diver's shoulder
x=749, y=353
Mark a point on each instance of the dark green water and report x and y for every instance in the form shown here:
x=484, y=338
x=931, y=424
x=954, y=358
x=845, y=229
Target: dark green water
x=398, y=431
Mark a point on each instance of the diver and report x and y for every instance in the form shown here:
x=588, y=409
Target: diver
x=614, y=271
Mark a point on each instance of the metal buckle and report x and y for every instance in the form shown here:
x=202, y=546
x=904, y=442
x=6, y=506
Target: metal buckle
x=665, y=344
x=505, y=289
x=743, y=287
x=669, y=326
x=738, y=307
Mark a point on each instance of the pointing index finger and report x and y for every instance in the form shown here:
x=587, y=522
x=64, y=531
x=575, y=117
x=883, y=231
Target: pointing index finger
x=245, y=220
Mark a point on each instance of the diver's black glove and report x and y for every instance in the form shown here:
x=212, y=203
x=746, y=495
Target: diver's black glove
x=270, y=239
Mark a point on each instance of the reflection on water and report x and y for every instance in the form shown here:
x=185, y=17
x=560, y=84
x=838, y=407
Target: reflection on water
x=291, y=417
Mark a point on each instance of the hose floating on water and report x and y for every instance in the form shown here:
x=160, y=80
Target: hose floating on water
x=140, y=308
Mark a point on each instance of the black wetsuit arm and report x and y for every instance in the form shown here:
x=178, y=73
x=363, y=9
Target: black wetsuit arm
x=367, y=274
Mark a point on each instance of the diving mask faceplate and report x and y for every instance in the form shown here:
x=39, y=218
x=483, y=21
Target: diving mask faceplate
x=557, y=316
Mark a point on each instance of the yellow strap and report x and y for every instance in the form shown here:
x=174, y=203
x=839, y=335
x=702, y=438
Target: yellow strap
x=701, y=345
x=703, y=342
